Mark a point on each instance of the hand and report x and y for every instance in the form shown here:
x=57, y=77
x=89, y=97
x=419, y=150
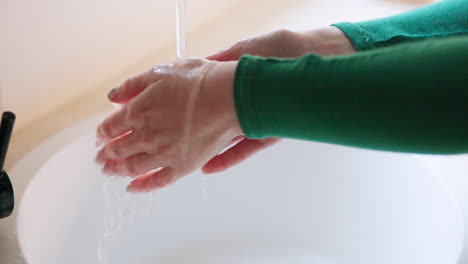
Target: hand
x=176, y=117
x=285, y=44
x=328, y=41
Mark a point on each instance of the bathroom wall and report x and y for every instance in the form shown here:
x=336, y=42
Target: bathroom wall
x=54, y=50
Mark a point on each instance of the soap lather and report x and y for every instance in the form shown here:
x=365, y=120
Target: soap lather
x=7, y=200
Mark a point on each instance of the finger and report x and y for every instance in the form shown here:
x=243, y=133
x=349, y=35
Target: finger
x=237, y=139
x=121, y=148
x=238, y=153
x=230, y=54
x=134, y=166
x=153, y=181
x=133, y=87
x=113, y=126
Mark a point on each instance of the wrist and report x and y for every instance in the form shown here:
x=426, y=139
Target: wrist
x=218, y=86
x=327, y=41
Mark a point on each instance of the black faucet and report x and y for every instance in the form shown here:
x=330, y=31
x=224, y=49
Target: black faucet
x=7, y=199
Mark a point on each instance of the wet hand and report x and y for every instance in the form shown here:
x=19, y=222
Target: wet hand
x=325, y=41
x=174, y=119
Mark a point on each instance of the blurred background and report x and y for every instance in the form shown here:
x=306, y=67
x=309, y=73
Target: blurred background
x=63, y=55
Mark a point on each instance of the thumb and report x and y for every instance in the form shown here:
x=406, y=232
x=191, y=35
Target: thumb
x=238, y=153
x=232, y=53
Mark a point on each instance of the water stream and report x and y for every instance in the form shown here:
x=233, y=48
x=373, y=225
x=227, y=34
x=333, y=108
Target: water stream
x=181, y=28
x=120, y=209
x=120, y=206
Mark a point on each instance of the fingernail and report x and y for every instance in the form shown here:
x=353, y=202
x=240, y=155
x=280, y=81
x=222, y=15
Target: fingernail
x=111, y=94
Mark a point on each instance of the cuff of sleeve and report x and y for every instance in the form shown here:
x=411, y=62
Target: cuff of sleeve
x=244, y=96
x=360, y=38
x=269, y=94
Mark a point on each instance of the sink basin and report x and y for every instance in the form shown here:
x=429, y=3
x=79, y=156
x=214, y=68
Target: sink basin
x=299, y=202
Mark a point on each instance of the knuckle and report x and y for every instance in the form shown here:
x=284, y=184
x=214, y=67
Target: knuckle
x=193, y=63
x=114, y=150
x=240, y=44
x=132, y=112
x=128, y=84
x=283, y=34
x=105, y=130
x=165, y=70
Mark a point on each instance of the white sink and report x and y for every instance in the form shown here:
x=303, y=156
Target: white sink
x=299, y=202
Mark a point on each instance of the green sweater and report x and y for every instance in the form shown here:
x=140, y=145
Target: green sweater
x=410, y=97
x=442, y=19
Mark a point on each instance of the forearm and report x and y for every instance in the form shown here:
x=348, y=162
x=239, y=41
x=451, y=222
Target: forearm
x=409, y=98
x=442, y=19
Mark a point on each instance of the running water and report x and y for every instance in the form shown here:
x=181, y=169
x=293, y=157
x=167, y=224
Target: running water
x=181, y=28
x=181, y=34
x=120, y=209
x=120, y=206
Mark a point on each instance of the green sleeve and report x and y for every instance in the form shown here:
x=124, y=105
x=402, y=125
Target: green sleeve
x=442, y=19
x=408, y=98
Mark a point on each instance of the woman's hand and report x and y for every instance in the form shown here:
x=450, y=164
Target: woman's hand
x=284, y=44
x=175, y=117
x=327, y=41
